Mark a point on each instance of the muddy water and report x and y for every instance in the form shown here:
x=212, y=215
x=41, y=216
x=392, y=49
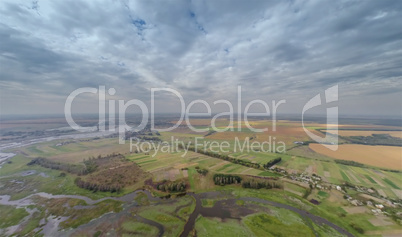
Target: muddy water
x=191, y=220
x=226, y=209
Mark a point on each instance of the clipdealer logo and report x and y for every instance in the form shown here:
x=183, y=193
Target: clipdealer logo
x=329, y=141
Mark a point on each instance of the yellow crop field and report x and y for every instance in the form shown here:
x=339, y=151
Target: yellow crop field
x=348, y=133
x=380, y=156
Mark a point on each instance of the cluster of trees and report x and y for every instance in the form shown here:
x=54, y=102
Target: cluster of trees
x=98, y=187
x=90, y=165
x=227, y=158
x=272, y=162
x=223, y=179
x=176, y=186
x=357, y=164
x=146, y=131
x=70, y=168
x=108, y=173
x=112, y=178
x=257, y=184
x=201, y=171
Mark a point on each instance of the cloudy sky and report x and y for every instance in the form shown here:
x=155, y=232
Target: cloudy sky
x=274, y=50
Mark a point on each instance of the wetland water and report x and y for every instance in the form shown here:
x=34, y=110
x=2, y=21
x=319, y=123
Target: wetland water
x=220, y=209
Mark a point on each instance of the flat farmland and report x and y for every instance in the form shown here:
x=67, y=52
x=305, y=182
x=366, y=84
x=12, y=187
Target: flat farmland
x=285, y=131
x=380, y=156
x=230, y=136
x=74, y=152
x=166, y=162
x=349, y=133
x=230, y=168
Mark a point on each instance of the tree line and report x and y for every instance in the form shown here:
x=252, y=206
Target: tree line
x=271, y=163
x=246, y=163
x=349, y=162
x=357, y=164
x=97, y=187
x=258, y=184
x=224, y=179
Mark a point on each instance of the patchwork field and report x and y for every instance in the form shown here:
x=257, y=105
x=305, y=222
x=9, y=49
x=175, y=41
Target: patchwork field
x=385, y=182
x=380, y=156
x=172, y=166
x=20, y=180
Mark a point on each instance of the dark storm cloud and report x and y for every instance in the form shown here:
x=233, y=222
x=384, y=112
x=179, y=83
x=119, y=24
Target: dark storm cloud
x=204, y=49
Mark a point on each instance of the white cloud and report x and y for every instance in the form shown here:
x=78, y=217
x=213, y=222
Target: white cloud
x=203, y=49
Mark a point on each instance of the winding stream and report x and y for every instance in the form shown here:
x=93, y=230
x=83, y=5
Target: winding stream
x=129, y=198
x=216, y=211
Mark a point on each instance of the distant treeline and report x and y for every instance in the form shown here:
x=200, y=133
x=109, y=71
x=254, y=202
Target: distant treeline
x=375, y=139
x=257, y=184
x=145, y=132
x=223, y=179
x=357, y=164
x=97, y=187
x=175, y=186
x=227, y=158
x=272, y=162
x=349, y=162
x=70, y=168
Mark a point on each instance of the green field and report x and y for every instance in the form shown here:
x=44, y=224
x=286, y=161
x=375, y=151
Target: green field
x=181, y=165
